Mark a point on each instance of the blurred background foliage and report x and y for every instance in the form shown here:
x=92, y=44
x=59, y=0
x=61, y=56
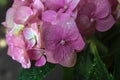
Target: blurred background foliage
x=3, y=2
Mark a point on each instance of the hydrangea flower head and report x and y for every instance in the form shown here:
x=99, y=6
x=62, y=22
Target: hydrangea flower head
x=50, y=30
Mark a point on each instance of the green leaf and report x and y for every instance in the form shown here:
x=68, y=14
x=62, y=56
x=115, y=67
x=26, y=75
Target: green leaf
x=116, y=51
x=36, y=73
x=117, y=66
x=90, y=65
x=68, y=73
x=83, y=65
x=98, y=70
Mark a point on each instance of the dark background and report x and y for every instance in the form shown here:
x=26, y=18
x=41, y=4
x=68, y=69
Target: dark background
x=9, y=69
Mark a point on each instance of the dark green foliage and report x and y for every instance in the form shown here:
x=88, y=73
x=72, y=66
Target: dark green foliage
x=98, y=69
x=36, y=73
x=83, y=65
x=90, y=66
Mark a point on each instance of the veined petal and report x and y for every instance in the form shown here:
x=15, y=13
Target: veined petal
x=105, y=24
x=69, y=61
x=103, y=8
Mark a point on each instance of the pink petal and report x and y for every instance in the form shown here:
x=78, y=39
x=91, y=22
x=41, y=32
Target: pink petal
x=69, y=61
x=50, y=57
x=55, y=4
x=78, y=44
x=40, y=62
x=15, y=40
x=69, y=57
x=17, y=50
x=34, y=54
x=49, y=16
x=37, y=4
x=102, y=8
x=22, y=14
x=105, y=24
x=9, y=18
x=51, y=35
x=19, y=55
x=73, y=36
x=73, y=4
x=30, y=37
x=19, y=3
x=87, y=9
x=85, y=26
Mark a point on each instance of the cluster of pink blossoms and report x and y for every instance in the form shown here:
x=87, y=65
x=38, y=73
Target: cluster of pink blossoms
x=53, y=30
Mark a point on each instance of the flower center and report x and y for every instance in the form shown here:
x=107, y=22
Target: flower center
x=91, y=20
x=62, y=42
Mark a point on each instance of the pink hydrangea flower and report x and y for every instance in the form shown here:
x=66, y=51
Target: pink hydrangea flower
x=94, y=15
x=61, y=40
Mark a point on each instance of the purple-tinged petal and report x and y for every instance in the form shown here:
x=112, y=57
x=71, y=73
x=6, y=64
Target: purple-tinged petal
x=85, y=26
x=51, y=36
x=41, y=62
x=34, y=54
x=64, y=56
x=73, y=5
x=102, y=8
x=50, y=58
x=105, y=24
x=49, y=16
x=78, y=44
x=55, y=4
x=72, y=35
x=88, y=9
x=37, y=4
x=69, y=61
